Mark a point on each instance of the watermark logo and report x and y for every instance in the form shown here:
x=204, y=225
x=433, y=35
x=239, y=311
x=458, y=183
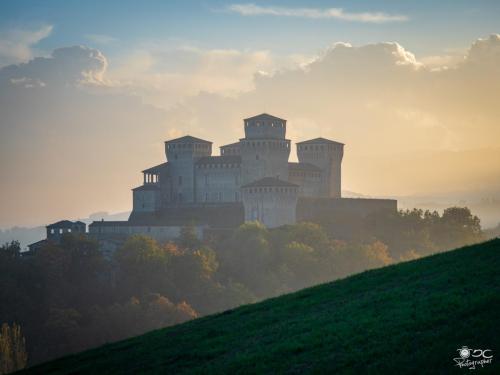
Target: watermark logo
x=471, y=358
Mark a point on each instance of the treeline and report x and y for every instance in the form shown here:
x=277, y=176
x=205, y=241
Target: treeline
x=69, y=297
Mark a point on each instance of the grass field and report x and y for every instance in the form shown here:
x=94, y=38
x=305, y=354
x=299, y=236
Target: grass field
x=407, y=318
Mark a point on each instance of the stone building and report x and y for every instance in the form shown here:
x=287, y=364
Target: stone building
x=251, y=179
x=271, y=201
x=55, y=232
x=192, y=176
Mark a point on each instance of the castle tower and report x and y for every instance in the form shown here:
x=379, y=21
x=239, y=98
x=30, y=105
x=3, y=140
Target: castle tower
x=264, y=150
x=182, y=154
x=271, y=201
x=327, y=155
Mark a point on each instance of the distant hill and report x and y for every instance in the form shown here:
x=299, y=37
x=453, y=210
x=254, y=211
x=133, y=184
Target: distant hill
x=407, y=318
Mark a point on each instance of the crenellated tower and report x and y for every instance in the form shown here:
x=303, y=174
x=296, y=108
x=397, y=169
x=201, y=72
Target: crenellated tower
x=182, y=154
x=326, y=155
x=264, y=150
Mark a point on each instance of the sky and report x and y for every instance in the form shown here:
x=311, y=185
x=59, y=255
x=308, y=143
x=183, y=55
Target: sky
x=89, y=91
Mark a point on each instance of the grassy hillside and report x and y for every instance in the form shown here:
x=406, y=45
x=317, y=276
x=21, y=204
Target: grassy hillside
x=409, y=318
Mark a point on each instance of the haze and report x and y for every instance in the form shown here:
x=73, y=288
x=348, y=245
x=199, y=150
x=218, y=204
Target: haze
x=87, y=99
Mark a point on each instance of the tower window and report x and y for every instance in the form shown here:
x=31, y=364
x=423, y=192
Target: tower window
x=180, y=180
x=256, y=157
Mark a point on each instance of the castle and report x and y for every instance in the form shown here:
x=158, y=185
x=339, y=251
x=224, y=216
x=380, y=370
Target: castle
x=250, y=180
x=254, y=171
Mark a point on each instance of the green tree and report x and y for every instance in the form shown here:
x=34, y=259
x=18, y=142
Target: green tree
x=142, y=266
x=247, y=258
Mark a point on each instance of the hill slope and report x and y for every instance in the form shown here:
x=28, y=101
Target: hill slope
x=409, y=318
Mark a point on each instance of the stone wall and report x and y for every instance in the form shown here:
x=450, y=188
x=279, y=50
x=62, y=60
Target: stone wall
x=217, y=182
x=111, y=229
x=220, y=215
x=310, y=209
x=272, y=206
x=264, y=158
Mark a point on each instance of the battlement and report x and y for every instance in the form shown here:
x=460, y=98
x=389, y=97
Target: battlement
x=187, y=147
x=265, y=126
x=326, y=155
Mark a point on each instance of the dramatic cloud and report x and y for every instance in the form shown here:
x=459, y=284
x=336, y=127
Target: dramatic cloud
x=17, y=45
x=395, y=115
x=78, y=130
x=315, y=13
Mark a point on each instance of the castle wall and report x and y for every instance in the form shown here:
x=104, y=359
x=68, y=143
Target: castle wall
x=310, y=209
x=309, y=181
x=326, y=155
x=218, y=182
x=182, y=157
x=218, y=215
x=272, y=206
x=231, y=149
x=264, y=127
x=112, y=234
x=146, y=200
x=264, y=158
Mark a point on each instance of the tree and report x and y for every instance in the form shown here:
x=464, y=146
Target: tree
x=13, y=354
x=246, y=257
x=10, y=250
x=188, y=238
x=460, y=227
x=142, y=266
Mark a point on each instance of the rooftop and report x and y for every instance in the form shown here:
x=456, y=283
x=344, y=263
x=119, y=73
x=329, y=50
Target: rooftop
x=318, y=141
x=65, y=224
x=38, y=243
x=270, y=181
x=156, y=168
x=265, y=116
x=147, y=187
x=188, y=139
x=231, y=145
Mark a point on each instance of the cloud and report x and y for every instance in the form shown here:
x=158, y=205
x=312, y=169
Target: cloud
x=17, y=45
x=67, y=138
x=408, y=127
x=384, y=104
x=68, y=65
x=485, y=52
x=163, y=74
x=315, y=13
